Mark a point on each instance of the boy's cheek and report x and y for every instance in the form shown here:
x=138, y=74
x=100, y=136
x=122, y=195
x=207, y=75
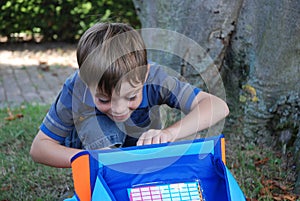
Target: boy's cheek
x=104, y=108
x=133, y=105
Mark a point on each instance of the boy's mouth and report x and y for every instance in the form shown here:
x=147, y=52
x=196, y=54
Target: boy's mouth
x=120, y=118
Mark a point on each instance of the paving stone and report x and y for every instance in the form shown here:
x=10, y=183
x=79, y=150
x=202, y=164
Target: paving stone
x=39, y=81
x=12, y=90
x=30, y=84
x=3, y=101
x=26, y=86
x=37, y=86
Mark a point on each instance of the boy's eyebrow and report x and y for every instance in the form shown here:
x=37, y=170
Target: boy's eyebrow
x=137, y=87
x=98, y=94
x=134, y=90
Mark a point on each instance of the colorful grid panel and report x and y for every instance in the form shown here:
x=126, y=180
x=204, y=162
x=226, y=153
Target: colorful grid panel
x=189, y=191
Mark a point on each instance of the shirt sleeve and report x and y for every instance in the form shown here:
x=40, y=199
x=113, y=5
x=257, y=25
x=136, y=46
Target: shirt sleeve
x=58, y=122
x=178, y=94
x=167, y=89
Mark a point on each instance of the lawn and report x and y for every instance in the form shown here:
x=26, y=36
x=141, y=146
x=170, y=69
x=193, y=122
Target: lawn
x=20, y=177
x=263, y=173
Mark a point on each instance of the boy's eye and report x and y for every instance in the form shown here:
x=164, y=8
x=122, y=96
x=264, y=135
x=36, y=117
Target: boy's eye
x=132, y=98
x=104, y=101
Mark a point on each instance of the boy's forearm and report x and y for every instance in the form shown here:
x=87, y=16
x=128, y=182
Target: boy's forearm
x=60, y=158
x=46, y=151
x=205, y=113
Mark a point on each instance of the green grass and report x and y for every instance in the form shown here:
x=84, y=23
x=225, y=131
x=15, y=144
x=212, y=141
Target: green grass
x=263, y=173
x=20, y=177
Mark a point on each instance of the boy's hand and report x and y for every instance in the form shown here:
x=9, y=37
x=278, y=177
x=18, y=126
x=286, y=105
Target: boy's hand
x=155, y=137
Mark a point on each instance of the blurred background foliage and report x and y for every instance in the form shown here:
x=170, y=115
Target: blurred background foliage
x=60, y=20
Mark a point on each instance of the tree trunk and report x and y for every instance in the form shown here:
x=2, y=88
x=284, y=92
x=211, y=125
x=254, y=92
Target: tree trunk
x=196, y=49
x=255, y=45
x=265, y=56
x=209, y=23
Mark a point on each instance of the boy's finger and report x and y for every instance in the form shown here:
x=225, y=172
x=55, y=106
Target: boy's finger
x=139, y=142
x=164, y=139
x=147, y=141
x=142, y=140
x=156, y=140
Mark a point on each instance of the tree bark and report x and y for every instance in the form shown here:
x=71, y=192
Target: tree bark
x=265, y=58
x=255, y=45
x=209, y=23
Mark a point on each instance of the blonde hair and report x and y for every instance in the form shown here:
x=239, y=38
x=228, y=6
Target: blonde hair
x=109, y=52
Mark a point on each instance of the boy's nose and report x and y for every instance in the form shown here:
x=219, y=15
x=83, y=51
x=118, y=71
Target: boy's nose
x=119, y=108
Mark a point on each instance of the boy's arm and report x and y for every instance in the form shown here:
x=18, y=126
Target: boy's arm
x=48, y=151
x=206, y=110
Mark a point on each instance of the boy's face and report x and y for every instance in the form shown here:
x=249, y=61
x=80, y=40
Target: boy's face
x=120, y=106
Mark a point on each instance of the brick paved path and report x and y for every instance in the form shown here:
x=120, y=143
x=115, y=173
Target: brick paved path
x=34, y=73
x=30, y=84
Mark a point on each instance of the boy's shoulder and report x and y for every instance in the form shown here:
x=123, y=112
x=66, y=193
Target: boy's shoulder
x=160, y=75
x=72, y=79
x=75, y=87
x=156, y=73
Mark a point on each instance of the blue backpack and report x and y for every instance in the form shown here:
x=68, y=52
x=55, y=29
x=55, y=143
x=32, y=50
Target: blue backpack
x=186, y=170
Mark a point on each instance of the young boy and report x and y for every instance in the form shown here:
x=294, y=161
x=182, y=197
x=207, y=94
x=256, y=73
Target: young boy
x=112, y=101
